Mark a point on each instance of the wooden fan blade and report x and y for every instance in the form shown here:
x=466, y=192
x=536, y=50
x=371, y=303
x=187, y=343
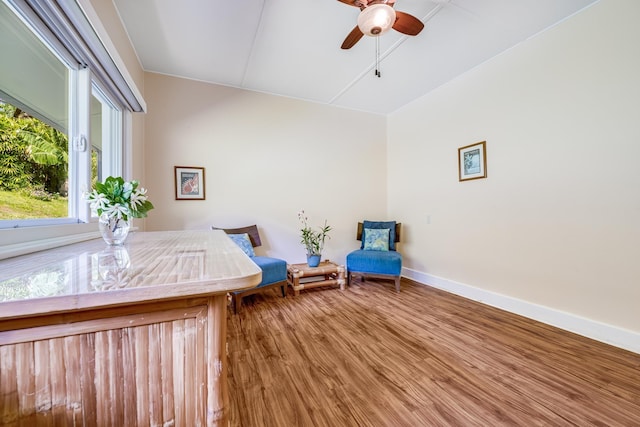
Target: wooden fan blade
x=349, y=2
x=352, y=38
x=407, y=24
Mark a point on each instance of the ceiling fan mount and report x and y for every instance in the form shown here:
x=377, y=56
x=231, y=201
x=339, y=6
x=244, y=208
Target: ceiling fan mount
x=377, y=17
x=364, y=3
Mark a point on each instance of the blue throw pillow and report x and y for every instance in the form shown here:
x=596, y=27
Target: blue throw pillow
x=391, y=225
x=244, y=242
x=376, y=239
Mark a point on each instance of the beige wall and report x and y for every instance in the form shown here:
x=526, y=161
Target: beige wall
x=555, y=225
x=265, y=158
x=557, y=221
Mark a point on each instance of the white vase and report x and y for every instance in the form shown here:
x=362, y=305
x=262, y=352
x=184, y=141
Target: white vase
x=113, y=265
x=114, y=230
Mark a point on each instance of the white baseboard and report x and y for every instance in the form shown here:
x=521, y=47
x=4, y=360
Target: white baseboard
x=623, y=338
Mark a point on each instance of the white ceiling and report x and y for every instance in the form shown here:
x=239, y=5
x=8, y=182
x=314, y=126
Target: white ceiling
x=292, y=47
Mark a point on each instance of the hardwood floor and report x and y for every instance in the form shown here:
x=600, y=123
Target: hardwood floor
x=369, y=356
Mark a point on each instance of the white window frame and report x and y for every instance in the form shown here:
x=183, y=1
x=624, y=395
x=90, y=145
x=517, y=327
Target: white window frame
x=25, y=236
x=112, y=133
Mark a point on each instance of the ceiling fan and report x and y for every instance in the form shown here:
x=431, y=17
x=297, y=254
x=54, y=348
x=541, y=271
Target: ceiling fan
x=377, y=17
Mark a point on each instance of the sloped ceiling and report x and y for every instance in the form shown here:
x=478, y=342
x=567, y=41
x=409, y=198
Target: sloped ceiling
x=292, y=47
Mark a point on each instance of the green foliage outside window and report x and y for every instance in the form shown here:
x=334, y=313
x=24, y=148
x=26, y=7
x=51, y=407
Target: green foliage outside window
x=33, y=155
x=33, y=167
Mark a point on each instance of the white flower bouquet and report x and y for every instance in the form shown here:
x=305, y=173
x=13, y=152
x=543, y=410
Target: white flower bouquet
x=119, y=199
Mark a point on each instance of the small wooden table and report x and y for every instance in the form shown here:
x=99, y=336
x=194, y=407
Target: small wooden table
x=325, y=274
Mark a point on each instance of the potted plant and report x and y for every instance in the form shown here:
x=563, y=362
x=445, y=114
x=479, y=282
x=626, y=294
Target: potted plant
x=116, y=201
x=312, y=240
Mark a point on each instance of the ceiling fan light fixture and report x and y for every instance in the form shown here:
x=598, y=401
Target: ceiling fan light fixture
x=376, y=19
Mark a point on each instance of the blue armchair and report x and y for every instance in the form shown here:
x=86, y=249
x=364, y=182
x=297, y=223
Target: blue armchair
x=274, y=270
x=377, y=257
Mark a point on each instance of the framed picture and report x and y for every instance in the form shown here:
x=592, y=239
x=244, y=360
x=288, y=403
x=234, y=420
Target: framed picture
x=189, y=183
x=472, y=161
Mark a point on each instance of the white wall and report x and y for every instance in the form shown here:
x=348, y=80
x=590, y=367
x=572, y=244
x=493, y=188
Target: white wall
x=557, y=221
x=552, y=231
x=265, y=158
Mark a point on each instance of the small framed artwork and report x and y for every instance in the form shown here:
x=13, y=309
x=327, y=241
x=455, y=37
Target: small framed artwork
x=472, y=161
x=189, y=183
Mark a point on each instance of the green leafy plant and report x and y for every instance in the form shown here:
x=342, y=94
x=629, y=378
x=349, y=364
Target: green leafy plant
x=32, y=153
x=313, y=241
x=119, y=199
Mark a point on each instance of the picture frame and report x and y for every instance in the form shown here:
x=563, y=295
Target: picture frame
x=472, y=161
x=189, y=183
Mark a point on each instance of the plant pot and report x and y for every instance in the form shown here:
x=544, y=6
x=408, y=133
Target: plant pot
x=114, y=231
x=313, y=260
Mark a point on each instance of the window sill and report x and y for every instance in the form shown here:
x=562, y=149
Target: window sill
x=22, y=241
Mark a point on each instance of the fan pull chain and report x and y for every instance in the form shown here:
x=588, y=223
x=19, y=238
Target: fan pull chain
x=377, y=73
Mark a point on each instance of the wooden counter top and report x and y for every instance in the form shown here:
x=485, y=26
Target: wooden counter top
x=150, y=266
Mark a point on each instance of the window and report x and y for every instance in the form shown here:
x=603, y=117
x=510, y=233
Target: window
x=57, y=74
x=34, y=124
x=106, y=136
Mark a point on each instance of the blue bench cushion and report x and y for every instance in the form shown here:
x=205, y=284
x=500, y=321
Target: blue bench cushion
x=273, y=269
x=374, y=262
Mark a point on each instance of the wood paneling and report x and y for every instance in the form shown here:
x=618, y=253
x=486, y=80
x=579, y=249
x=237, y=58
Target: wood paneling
x=369, y=356
x=114, y=372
